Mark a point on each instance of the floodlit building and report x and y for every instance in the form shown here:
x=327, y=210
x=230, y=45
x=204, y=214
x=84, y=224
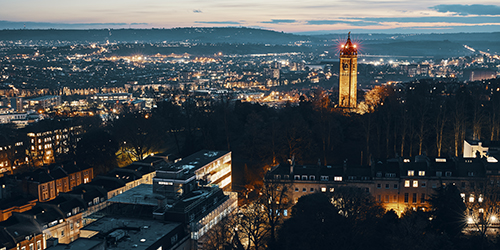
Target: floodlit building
x=348, y=76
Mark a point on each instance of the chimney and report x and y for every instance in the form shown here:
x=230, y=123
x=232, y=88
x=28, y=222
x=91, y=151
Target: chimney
x=292, y=164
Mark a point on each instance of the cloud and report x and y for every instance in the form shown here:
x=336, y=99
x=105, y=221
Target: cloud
x=276, y=21
x=197, y=11
x=473, y=9
x=351, y=22
x=432, y=19
x=46, y=25
x=218, y=22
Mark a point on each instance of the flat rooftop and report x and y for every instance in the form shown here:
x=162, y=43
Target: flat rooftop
x=141, y=233
x=141, y=195
x=80, y=244
x=193, y=162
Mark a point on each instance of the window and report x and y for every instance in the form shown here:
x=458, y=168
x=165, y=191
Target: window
x=448, y=173
x=378, y=198
x=395, y=198
x=323, y=189
x=422, y=198
x=406, y=197
x=312, y=190
x=304, y=177
x=367, y=190
x=386, y=199
x=304, y=190
x=387, y=186
x=463, y=196
x=32, y=246
x=395, y=186
x=439, y=173
x=414, y=198
x=379, y=185
x=470, y=173
x=332, y=190
x=277, y=176
x=471, y=198
x=423, y=184
x=411, y=172
x=312, y=178
x=297, y=177
x=407, y=183
x=62, y=233
x=463, y=184
x=296, y=189
x=415, y=184
x=337, y=178
x=324, y=178
x=285, y=212
x=38, y=245
x=421, y=173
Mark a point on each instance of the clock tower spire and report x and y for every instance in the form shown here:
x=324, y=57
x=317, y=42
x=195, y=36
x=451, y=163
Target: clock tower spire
x=348, y=76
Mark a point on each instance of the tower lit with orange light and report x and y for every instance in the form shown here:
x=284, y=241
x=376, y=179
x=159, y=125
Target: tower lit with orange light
x=348, y=76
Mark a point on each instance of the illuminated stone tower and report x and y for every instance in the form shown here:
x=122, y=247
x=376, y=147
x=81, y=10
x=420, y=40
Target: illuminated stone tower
x=348, y=77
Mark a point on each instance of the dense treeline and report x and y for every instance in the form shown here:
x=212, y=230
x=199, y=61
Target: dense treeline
x=318, y=222
x=430, y=117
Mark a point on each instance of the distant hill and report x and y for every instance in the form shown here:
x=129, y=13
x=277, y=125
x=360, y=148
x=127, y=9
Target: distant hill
x=191, y=35
x=438, y=45
x=202, y=40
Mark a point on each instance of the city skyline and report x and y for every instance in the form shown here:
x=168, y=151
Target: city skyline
x=365, y=16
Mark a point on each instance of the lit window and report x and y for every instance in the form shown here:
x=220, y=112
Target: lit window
x=471, y=198
x=337, y=178
x=421, y=173
x=480, y=199
x=332, y=190
x=407, y=183
x=323, y=189
x=411, y=172
x=415, y=184
x=463, y=196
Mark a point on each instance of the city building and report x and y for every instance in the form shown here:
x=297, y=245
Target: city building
x=348, y=76
x=112, y=97
x=47, y=182
x=44, y=144
x=45, y=102
x=397, y=184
